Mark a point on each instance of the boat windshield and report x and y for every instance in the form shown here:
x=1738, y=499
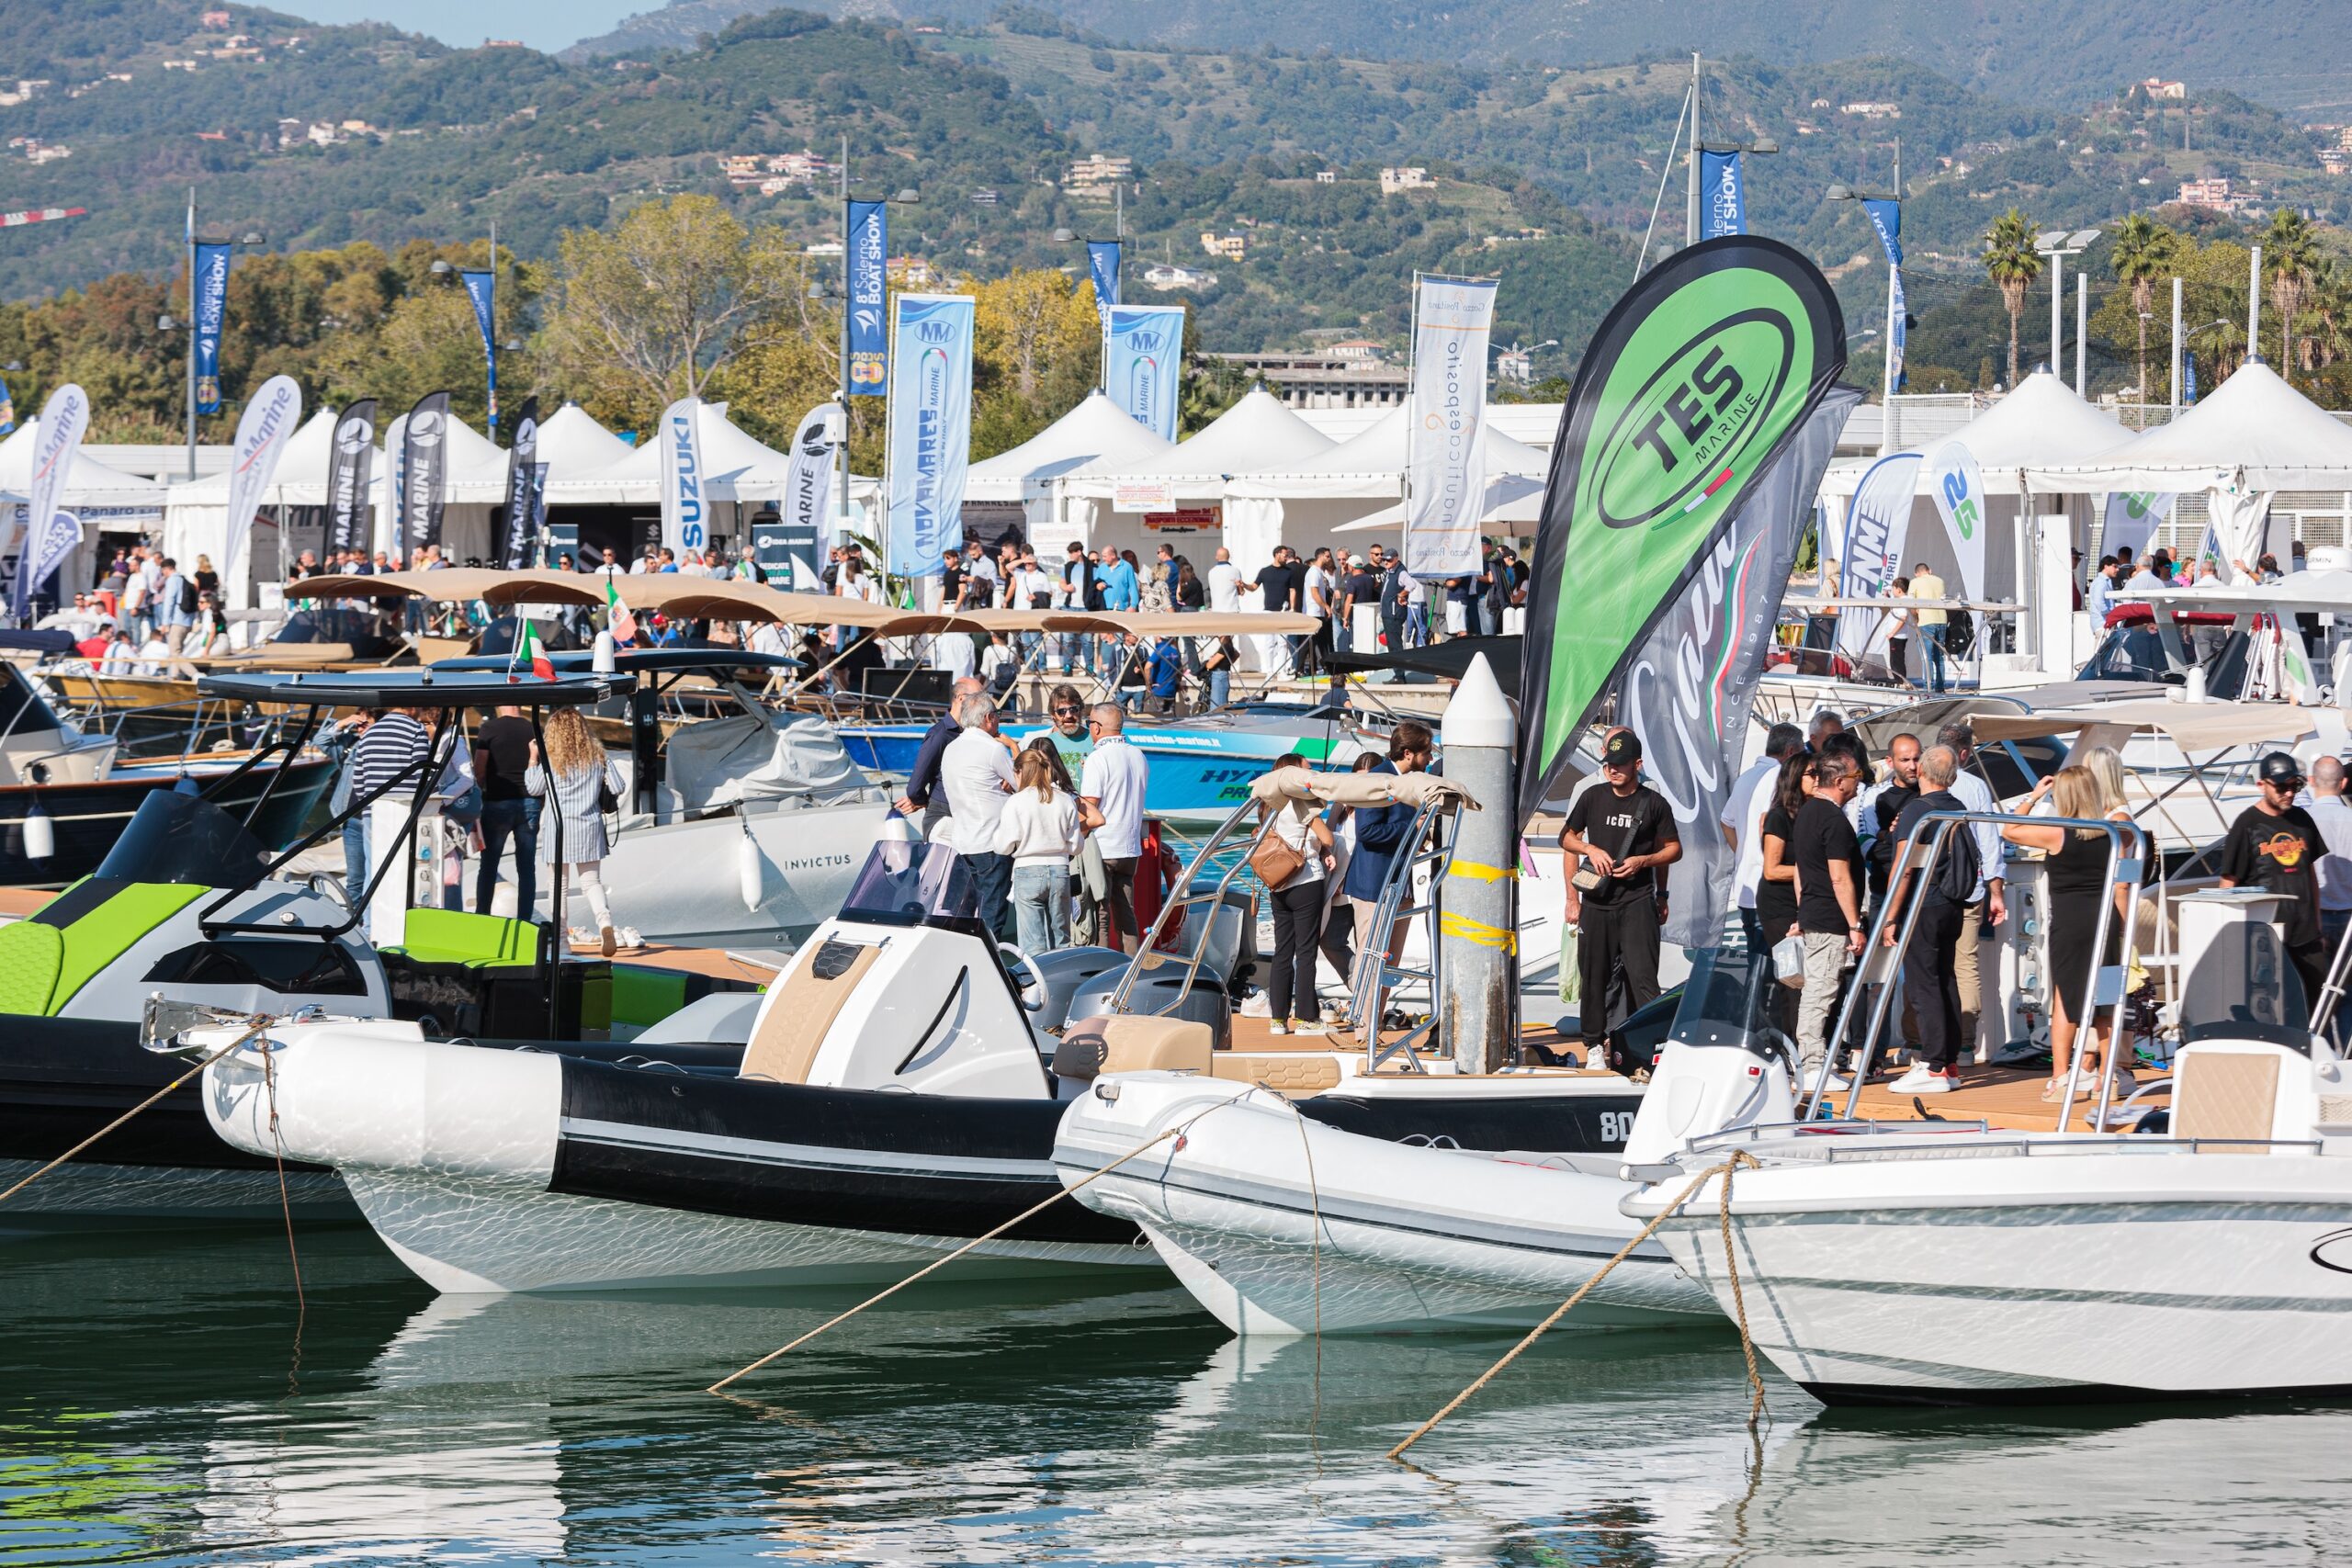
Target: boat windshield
x=184, y=838
x=902, y=883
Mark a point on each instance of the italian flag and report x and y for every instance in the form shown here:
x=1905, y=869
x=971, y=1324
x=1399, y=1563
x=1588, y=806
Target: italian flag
x=528, y=645
x=617, y=620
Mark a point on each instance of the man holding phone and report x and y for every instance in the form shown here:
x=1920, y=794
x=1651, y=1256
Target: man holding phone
x=1624, y=832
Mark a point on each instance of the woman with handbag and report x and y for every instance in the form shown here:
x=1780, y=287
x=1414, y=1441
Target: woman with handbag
x=1293, y=855
x=585, y=786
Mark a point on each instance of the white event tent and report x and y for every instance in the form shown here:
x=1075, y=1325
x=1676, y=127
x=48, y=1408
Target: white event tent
x=1359, y=486
x=737, y=468
x=103, y=497
x=1097, y=430
x=572, y=442
x=1256, y=435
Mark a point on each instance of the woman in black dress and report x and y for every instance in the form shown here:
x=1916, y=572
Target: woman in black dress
x=1776, y=890
x=2074, y=862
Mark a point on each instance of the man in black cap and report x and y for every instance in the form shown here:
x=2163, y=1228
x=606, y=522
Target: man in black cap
x=2276, y=846
x=1624, y=832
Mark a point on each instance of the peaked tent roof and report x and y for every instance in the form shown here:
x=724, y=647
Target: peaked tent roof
x=91, y=482
x=2044, y=421
x=1258, y=432
x=735, y=467
x=572, y=442
x=1098, y=430
x=2252, y=431
x=1371, y=465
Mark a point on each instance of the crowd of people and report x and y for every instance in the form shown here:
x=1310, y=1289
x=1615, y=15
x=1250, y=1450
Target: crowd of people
x=147, y=615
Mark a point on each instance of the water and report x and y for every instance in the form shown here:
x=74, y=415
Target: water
x=156, y=1405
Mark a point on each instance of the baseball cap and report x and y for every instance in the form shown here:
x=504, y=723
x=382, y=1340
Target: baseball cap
x=2281, y=769
x=1621, y=749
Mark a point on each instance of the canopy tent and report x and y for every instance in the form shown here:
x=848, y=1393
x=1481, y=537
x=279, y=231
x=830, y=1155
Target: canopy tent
x=570, y=442
x=737, y=468
x=1095, y=431
x=1257, y=434
x=1342, y=490
x=100, y=496
x=2252, y=432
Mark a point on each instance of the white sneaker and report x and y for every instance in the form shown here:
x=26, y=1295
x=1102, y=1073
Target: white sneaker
x=1308, y=1026
x=1932, y=1083
x=1278, y=1027
x=1913, y=1080
x=1832, y=1084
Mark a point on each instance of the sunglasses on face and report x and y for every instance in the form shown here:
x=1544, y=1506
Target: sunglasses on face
x=1064, y=712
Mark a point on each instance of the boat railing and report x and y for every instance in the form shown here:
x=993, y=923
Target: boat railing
x=1428, y=847
x=1921, y=1147
x=1188, y=895
x=1881, y=959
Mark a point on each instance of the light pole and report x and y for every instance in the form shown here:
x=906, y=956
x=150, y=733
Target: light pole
x=2054, y=246
x=907, y=196
x=1763, y=146
x=1893, y=281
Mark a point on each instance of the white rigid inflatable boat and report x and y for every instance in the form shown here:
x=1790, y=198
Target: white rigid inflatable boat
x=1283, y=1224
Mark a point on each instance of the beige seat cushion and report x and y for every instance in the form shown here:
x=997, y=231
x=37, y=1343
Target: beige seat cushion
x=1288, y=1074
x=2220, y=1094
x=1134, y=1043
x=795, y=1024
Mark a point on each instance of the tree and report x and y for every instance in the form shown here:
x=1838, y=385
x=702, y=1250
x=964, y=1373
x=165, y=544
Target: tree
x=1037, y=347
x=2012, y=263
x=654, y=310
x=2143, y=251
x=2291, y=256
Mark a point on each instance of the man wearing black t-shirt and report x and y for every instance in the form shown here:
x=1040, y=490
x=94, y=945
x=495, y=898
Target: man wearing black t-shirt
x=501, y=757
x=1625, y=832
x=1828, y=861
x=1278, y=587
x=2276, y=846
x=1359, y=587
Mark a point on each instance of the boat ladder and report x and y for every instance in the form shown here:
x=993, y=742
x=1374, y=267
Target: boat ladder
x=1420, y=862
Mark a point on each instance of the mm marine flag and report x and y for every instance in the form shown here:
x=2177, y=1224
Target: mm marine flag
x=1143, y=364
x=930, y=429
x=1695, y=382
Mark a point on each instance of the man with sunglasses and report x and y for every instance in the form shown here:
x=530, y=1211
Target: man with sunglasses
x=2276, y=846
x=1112, y=786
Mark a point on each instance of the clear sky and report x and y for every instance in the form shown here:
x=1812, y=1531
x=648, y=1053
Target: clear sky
x=542, y=24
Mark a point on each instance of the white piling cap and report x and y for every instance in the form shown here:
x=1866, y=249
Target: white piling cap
x=1479, y=714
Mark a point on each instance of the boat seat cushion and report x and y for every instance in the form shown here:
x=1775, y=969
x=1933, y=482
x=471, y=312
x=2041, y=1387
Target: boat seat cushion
x=30, y=954
x=797, y=1018
x=456, y=936
x=89, y=926
x=1134, y=1043
x=2224, y=1094
x=1289, y=1073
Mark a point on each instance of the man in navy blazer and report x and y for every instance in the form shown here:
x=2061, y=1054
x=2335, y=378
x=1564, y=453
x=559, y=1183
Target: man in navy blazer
x=1380, y=838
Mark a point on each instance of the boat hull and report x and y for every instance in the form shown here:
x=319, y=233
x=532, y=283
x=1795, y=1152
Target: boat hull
x=86, y=818
x=1283, y=1224
x=2137, y=1274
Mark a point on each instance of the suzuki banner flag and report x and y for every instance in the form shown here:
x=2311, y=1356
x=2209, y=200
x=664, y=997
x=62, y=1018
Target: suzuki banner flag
x=263, y=429
x=930, y=429
x=64, y=418
x=1878, y=526
x=522, y=514
x=2132, y=519
x=1143, y=359
x=685, y=509
x=808, y=486
x=348, y=465
x=418, y=469
x=1694, y=680
x=1723, y=201
x=1445, y=416
x=869, y=262
x=1696, y=382
x=482, y=288
x=212, y=315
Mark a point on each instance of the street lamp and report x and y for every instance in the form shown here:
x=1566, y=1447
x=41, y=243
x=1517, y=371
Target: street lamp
x=1843, y=191
x=2054, y=246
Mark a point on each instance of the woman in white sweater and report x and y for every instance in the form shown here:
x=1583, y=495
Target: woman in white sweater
x=576, y=771
x=1040, y=830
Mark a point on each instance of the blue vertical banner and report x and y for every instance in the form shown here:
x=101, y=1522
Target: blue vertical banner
x=7, y=409
x=930, y=429
x=869, y=261
x=482, y=288
x=1722, y=200
x=211, y=313
x=1102, y=265
x=2188, y=380
x=1886, y=217
x=1143, y=358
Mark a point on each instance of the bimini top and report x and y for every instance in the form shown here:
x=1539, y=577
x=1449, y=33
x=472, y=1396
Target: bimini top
x=648, y=661
x=416, y=688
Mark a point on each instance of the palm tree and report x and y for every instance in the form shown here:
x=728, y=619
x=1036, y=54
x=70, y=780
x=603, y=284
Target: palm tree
x=2011, y=261
x=2142, y=253
x=2292, y=259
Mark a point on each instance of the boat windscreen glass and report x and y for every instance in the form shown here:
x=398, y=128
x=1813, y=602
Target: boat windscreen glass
x=21, y=710
x=1730, y=997
x=904, y=882
x=174, y=836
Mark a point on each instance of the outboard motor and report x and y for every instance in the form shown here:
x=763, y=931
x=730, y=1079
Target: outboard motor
x=1722, y=1066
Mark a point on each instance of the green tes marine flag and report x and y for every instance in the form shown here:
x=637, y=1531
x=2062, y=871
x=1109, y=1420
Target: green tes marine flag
x=1696, y=380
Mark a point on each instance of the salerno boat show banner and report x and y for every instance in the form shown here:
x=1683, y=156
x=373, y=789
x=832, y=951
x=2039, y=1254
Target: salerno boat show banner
x=482, y=288
x=1694, y=385
x=1143, y=361
x=1102, y=265
x=869, y=264
x=930, y=428
x=1445, y=416
x=212, y=315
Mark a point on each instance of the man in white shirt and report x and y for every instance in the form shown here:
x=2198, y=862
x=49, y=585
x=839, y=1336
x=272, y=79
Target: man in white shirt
x=1743, y=823
x=2328, y=809
x=952, y=651
x=1225, y=583
x=1987, y=908
x=1113, y=786
x=976, y=771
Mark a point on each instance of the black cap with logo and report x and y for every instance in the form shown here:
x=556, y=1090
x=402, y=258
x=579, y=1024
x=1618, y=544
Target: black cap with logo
x=1621, y=749
x=2281, y=769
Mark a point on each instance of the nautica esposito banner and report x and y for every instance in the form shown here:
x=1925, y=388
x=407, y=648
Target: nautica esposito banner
x=930, y=428
x=1445, y=416
x=269, y=421
x=686, y=511
x=63, y=420
x=869, y=287
x=420, y=466
x=1143, y=362
x=1722, y=200
x=520, y=526
x=212, y=316
x=350, y=460
x=1693, y=678
x=1696, y=381
x=1878, y=528
x=2132, y=519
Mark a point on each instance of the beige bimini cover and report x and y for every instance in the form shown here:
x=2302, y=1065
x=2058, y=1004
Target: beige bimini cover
x=1355, y=789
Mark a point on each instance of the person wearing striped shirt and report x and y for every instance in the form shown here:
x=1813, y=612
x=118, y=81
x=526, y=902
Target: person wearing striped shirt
x=393, y=742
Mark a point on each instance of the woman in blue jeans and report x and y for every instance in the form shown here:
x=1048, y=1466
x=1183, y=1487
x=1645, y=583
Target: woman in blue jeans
x=1039, y=830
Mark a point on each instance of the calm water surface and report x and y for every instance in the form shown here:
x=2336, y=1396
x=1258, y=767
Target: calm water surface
x=157, y=1405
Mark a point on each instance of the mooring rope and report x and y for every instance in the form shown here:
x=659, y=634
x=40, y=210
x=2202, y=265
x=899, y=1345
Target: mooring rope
x=285, y=1204
x=259, y=1025
x=1738, y=1157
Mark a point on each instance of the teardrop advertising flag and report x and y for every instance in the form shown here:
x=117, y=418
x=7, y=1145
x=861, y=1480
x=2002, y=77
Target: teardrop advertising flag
x=353, y=454
x=1692, y=387
x=685, y=517
x=422, y=463
x=263, y=429
x=522, y=512
x=65, y=417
